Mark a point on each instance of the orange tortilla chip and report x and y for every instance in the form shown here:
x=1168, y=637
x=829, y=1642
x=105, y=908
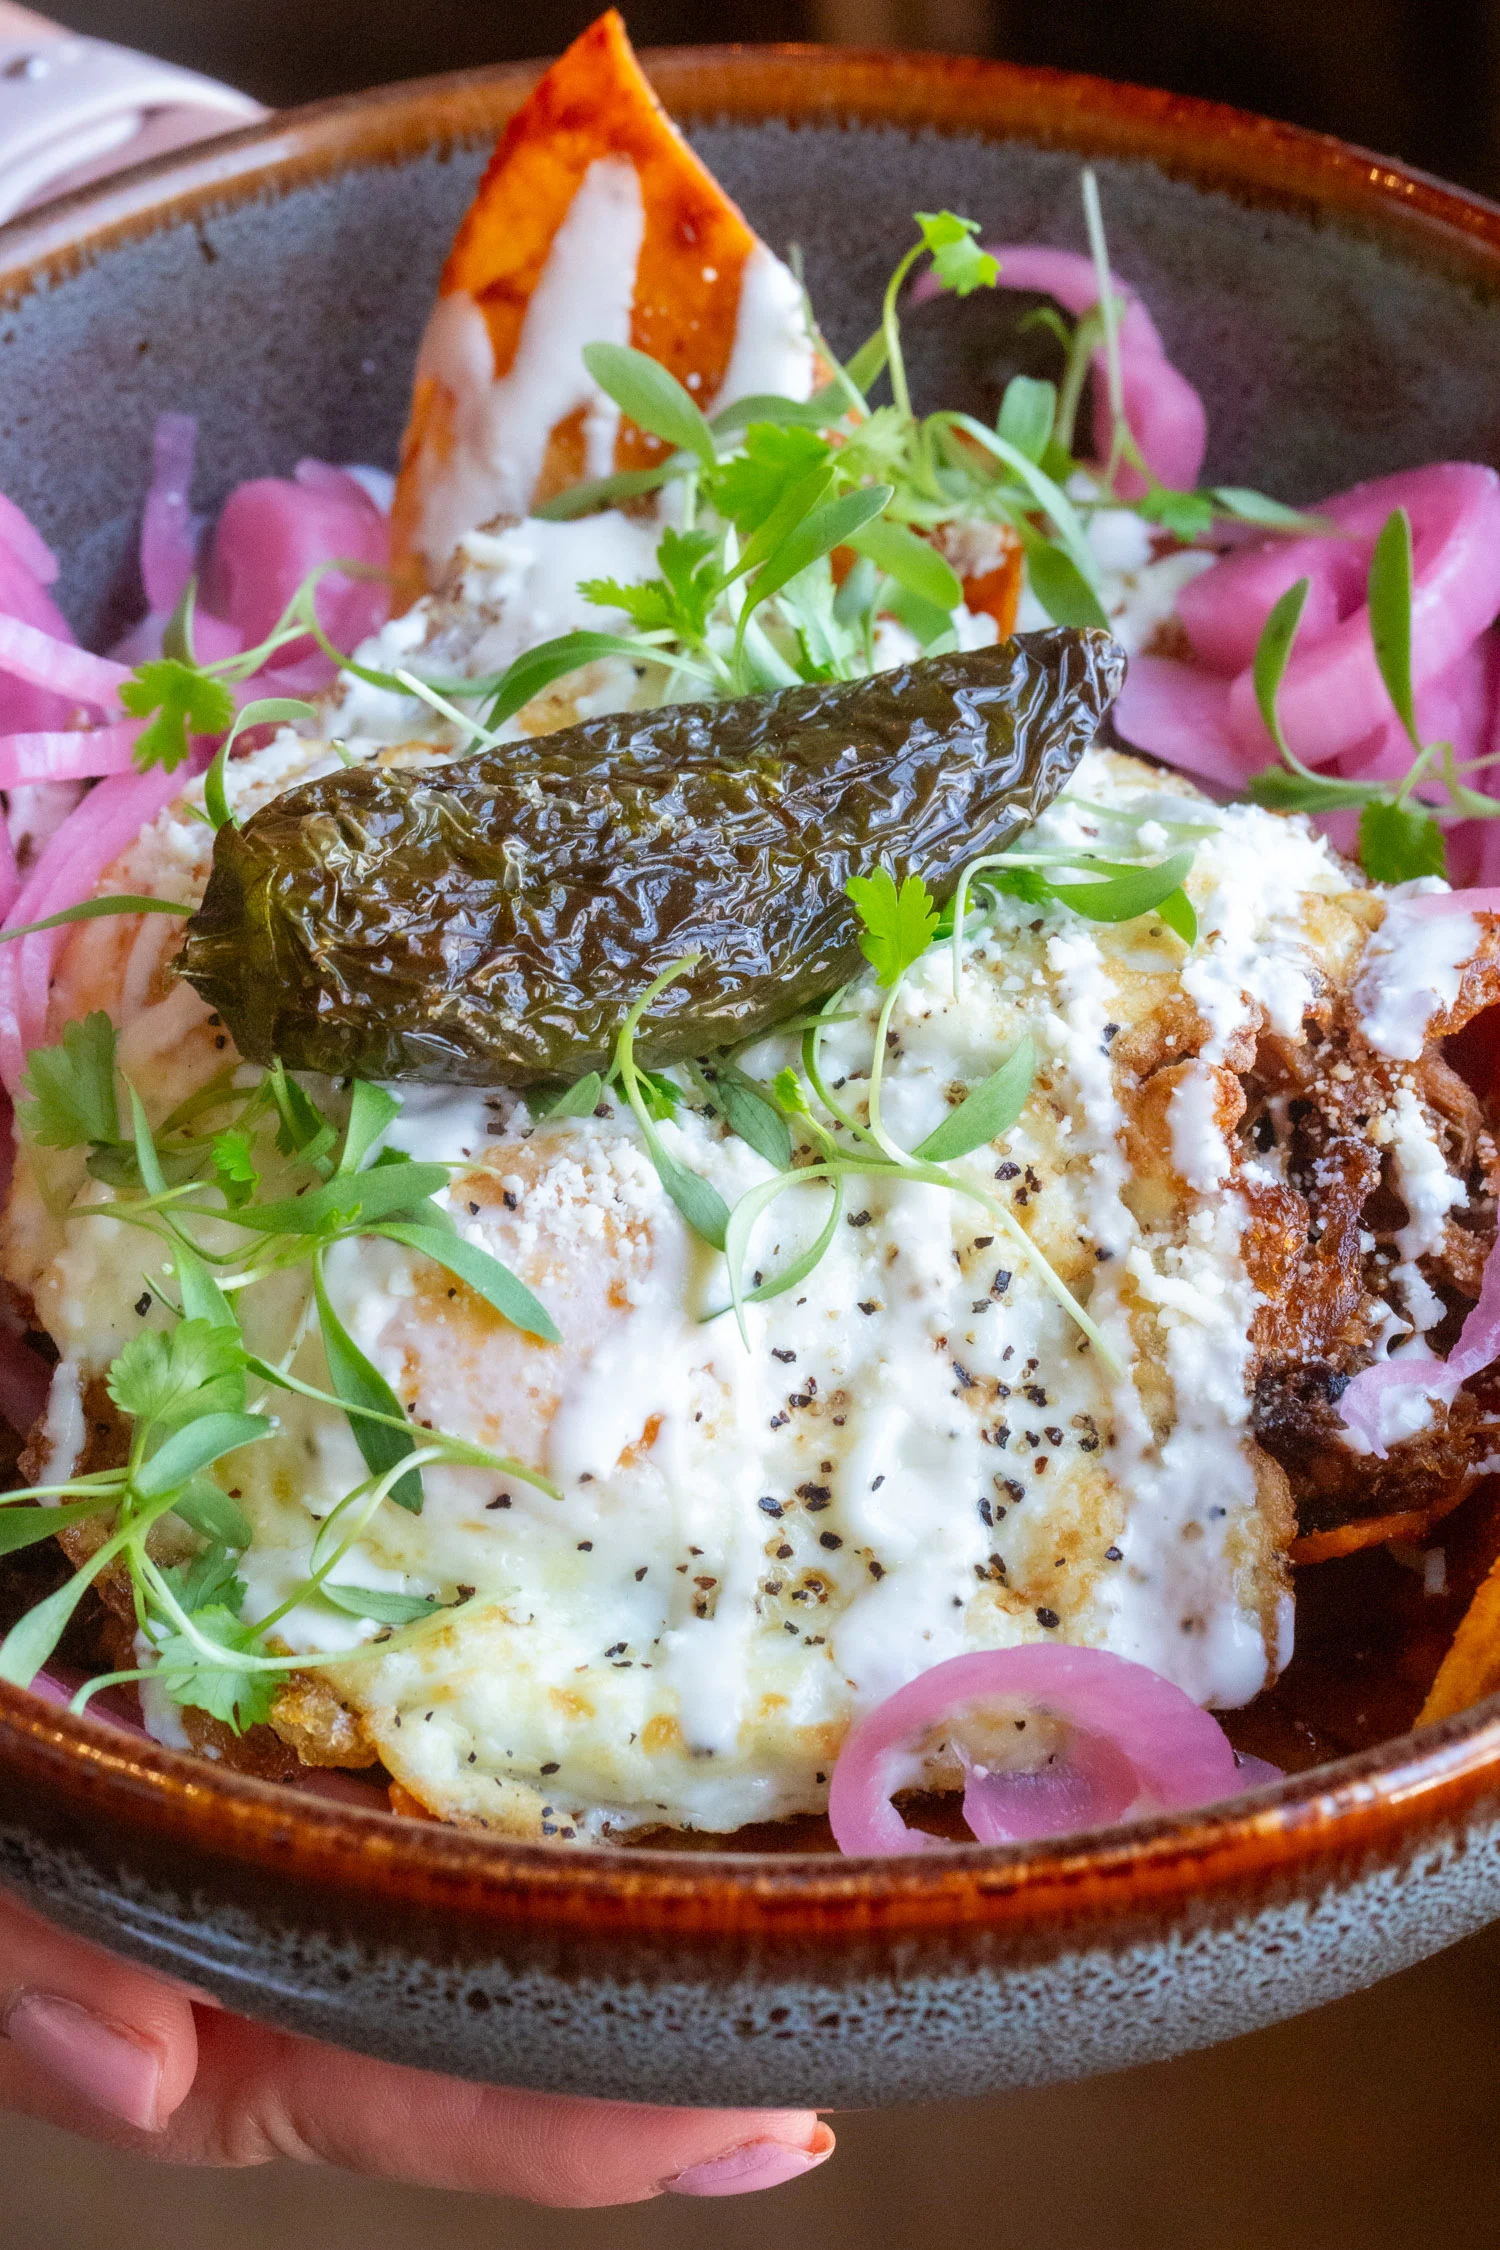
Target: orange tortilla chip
x=594, y=102
x=997, y=593
x=1471, y=1668
x=1370, y=1531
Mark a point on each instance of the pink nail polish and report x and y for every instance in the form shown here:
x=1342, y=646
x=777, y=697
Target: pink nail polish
x=98, y=2060
x=759, y=2164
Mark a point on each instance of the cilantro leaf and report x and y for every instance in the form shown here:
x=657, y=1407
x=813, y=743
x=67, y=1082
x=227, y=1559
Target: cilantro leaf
x=775, y=457
x=185, y=700
x=1399, y=842
x=679, y=600
x=72, y=1087
x=208, y=1580
x=1028, y=884
x=957, y=259
x=234, y=1166
x=647, y=602
x=661, y=1097
x=898, y=925
x=689, y=562
x=227, y=1691
x=877, y=447
x=790, y=1092
x=1187, y=515
x=167, y=1378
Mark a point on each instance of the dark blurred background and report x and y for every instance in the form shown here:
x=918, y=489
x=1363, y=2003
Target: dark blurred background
x=1418, y=79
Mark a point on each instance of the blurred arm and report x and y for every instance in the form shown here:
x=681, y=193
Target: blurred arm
x=73, y=109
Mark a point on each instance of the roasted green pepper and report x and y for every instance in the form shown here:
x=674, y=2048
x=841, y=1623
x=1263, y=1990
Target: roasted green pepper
x=490, y=921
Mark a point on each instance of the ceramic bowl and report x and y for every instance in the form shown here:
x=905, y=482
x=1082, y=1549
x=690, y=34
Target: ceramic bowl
x=1342, y=317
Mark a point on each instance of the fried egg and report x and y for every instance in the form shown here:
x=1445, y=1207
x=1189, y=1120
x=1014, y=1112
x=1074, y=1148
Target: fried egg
x=913, y=1452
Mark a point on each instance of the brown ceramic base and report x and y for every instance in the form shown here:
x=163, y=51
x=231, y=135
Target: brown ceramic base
x=739, y=1980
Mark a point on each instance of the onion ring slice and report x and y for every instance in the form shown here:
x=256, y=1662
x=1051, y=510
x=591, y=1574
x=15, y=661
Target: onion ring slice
x=1135, y=1745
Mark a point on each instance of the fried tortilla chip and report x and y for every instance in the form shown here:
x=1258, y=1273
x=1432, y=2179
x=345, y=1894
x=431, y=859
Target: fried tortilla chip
x=1471, y=1668
x=594, y=221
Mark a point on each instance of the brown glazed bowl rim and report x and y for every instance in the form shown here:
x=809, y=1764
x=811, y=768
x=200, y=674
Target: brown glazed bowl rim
x=1353, y=1811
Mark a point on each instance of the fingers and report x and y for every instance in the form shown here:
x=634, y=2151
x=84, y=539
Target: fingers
x=88, y=2038
x=261, y=2093
x=101, y=2048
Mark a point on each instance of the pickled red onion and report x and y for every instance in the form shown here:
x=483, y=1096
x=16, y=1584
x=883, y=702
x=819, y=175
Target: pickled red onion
x=25, y=1379
x=94, y=834
x=1362, y=1406
x=1432, y=903
x=273, y=531
x=23, y=595
x=71, y=755
x=1332, y=696
x=1163, y=412
x=48, y=1689
x=1223, y=611
x=47, y=662
x=19, y=533
x=1140, y=1745
x=1333, y=704
x=10, y=883
x=1181, y=714
x=27, y=568
x=168, y=534
x=271, y=534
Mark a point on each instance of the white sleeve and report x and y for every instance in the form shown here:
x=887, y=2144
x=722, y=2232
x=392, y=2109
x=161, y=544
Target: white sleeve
x=73, y=109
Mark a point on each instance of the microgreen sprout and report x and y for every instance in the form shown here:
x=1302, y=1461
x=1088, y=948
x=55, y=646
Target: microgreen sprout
x=1400, y=833
x=899, y=923
x=697, y=1199
x=194, y=1182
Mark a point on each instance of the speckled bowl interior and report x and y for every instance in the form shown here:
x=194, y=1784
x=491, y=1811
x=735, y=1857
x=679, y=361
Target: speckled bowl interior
x=1342, y=319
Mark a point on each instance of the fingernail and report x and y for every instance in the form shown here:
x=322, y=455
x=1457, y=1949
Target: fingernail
x=759, y=2164
x=97, y=2059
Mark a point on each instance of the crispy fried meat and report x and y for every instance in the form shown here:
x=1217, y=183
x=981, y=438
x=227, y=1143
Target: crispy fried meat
x=1321, y=1250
